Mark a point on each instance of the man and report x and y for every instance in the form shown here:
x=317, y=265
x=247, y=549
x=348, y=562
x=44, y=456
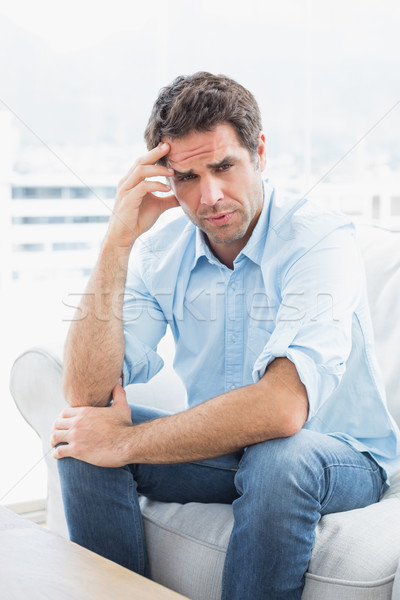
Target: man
x=266, y=301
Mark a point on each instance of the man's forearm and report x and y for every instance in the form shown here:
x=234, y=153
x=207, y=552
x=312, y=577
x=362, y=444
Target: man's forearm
x=94, y=347
x=277, y=406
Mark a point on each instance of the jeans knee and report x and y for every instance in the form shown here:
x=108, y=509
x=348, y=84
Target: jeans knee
x=75, y=473
x=79, y=477
x=70, y=467
x=279, y=462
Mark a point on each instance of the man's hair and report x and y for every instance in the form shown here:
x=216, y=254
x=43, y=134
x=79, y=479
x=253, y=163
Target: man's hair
x=199, y=102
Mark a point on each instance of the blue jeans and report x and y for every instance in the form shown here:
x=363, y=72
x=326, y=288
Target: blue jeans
x=279, y=490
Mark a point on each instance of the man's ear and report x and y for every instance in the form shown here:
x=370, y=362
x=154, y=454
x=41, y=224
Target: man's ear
x=261, y=152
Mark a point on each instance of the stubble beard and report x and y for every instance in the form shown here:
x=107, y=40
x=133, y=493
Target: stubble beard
x=226, y=234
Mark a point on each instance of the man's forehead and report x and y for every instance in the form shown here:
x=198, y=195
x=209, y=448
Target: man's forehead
x=210, y=146
x=184, y=156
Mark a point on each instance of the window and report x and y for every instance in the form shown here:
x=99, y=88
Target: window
x=376, y=207
x=58, y=220
x=62, y=193
x=36, y=193
x=28, y=247
x=395, y=206
x=63, y=246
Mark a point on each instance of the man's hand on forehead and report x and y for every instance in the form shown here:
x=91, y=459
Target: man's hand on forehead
x=137, y=205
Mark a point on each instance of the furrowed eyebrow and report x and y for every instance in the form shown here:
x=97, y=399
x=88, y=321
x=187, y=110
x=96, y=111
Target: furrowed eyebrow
x=183, y=173
x=227, y=159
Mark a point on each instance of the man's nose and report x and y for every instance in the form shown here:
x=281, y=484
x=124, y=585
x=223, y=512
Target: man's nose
x=210, y=191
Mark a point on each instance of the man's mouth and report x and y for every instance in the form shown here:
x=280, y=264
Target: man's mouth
x=221, y=219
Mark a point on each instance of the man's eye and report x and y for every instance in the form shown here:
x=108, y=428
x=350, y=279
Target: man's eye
x=187, y=178
x=224, y=167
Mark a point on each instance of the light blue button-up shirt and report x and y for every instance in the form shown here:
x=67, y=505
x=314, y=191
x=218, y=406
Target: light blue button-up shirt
x=297, y=290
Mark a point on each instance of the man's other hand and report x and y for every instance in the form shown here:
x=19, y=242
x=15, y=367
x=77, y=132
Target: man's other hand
x=97, y=435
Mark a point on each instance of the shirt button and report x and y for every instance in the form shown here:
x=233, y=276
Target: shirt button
x=233, y=287
x=233, y=387
x=234, y=339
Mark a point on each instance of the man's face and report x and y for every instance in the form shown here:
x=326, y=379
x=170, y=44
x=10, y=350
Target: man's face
x=219, y=186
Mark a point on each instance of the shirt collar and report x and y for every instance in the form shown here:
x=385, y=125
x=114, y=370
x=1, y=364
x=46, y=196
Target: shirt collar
x=255, y=246
x=202, y=248
x=254, y=249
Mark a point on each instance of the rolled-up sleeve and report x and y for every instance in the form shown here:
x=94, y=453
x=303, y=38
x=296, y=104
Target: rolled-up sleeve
x=320, y=291
x=144, y=324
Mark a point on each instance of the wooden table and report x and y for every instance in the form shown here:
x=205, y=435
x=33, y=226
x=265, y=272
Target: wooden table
x=35, y=564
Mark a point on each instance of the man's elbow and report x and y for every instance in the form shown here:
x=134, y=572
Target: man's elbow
x=74, y=397
x=295, y=415
x=67, y=389
x=77, y=395
x=294, y=425
x=282, y=384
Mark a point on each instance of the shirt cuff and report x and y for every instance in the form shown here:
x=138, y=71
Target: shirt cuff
x=147, y=364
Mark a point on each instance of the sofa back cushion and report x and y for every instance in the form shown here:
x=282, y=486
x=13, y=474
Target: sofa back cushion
x=380, y=248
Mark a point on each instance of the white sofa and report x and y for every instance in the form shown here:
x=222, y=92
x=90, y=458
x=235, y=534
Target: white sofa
x=356, y=554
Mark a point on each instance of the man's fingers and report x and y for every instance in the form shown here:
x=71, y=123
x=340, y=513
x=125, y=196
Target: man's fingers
x=164, y=202
x=61, y=451
x=146, y=186
x=141, y=172
x=63, y=423
x=59, y=436
x=168, y=201
x=70, y=411
x=155, y=154
x=118, y=395
x=149, y=159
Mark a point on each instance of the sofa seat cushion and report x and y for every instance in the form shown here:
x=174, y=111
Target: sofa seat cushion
x=355, y=556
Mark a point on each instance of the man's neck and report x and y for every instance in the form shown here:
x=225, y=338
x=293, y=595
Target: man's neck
x=226, y=252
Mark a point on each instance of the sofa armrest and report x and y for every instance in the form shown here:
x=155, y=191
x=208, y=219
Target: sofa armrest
x=35, y=385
